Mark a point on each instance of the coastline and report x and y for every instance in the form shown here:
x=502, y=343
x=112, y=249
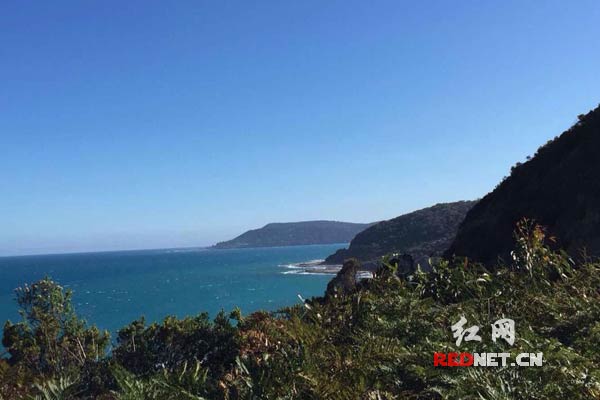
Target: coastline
x=316, y=267
x=312, y=267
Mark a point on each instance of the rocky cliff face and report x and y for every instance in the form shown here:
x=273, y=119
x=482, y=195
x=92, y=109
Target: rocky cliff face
x=345, y=280
x=422, y=233
x=559, y=188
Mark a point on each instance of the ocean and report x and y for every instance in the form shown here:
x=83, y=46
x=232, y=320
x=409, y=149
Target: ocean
x=111, y=289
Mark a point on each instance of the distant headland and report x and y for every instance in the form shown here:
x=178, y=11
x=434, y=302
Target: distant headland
x=295, y=234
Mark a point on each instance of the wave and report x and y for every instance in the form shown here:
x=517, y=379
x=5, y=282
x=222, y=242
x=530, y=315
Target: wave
x=303, y=264
x=312, y=267
x=303, y=272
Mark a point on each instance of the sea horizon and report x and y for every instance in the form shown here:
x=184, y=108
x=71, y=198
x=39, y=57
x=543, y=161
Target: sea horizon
x=114, y=288
x=184, y=248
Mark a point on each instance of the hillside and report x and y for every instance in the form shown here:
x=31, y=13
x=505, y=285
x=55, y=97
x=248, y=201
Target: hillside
x=421, y=233
x=295, y=234
x=558, y=187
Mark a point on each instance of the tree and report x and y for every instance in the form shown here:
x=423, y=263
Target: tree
x=51, y=339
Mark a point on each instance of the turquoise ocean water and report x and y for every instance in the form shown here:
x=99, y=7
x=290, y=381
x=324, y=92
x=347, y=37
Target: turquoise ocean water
x=114, y=288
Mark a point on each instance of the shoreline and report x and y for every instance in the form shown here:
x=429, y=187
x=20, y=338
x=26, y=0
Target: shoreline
x=316, y=267
x=311, y=267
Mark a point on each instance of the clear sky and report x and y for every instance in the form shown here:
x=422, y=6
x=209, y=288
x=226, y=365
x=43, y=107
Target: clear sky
x=142, y=124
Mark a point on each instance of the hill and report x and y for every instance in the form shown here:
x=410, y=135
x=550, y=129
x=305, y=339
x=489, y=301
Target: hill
x=295, y=234
x=558, y=188
x=423, y=233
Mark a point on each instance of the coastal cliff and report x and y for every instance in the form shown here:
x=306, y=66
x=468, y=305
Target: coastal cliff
x=422, y=233
x=558, y=188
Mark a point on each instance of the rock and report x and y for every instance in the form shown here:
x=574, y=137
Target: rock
x=345, y=280
x=405, y=264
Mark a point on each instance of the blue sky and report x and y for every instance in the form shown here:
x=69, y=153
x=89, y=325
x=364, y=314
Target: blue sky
x=146, y=124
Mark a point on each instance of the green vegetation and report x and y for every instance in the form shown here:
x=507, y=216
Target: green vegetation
x=375, y=341
x=422, y=234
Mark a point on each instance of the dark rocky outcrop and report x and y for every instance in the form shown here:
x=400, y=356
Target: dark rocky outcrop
x=404, y=263
x=559, y=188
x=423, y=233
x=345, y=280
x=295, y=234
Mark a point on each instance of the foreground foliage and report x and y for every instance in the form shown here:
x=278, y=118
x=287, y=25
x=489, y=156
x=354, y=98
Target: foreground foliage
x=375, y=342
